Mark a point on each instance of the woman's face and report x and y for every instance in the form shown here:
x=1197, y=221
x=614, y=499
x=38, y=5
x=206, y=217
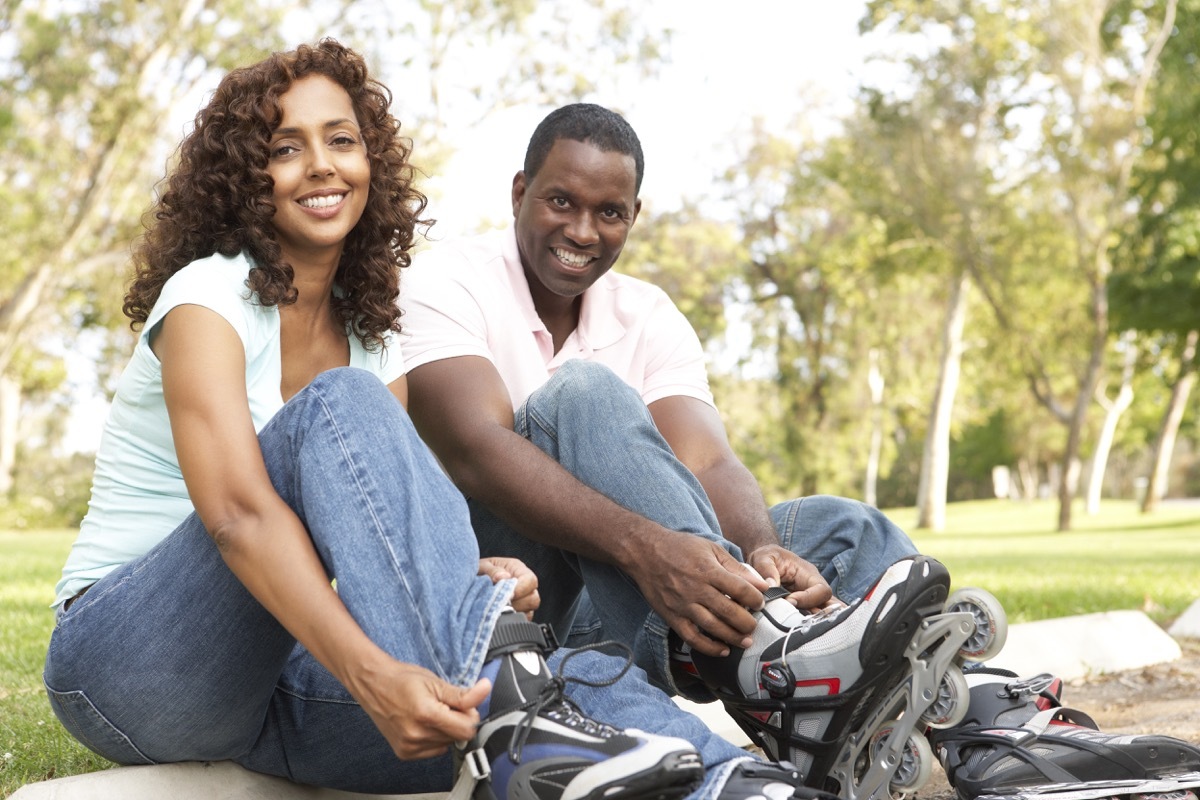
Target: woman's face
x=322, y=176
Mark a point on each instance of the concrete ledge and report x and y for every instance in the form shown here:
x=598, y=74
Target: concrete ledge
x=220, y=780
x=1088, y=644
x=1070, y=647
x=1188, y=624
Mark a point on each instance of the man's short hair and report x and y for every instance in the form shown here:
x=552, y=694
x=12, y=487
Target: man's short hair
x=584, y=122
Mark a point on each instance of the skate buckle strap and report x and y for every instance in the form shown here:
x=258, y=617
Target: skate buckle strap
x=1029, y=686
x=475, y=768
x=519, y=635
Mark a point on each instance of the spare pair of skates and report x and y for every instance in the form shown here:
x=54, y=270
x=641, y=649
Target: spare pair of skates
x=854, y=695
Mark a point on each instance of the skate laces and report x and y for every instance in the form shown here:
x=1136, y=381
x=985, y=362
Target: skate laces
x=806, y=621
x=552, y=702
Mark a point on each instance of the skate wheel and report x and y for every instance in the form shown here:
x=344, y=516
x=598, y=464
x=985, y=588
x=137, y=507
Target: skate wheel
x=991, y=623
x=916, y=762
x=950, y=706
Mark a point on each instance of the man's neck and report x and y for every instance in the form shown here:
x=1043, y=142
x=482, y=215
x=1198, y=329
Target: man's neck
x=561, y=319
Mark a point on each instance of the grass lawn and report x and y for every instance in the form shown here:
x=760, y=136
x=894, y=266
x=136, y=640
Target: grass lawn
x=1118, y=559
x=33, y=745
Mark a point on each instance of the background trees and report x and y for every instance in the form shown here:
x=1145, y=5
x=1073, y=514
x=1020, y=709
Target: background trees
x=992, y=260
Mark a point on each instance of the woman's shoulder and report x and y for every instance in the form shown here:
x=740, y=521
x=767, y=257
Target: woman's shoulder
x=216, y=282
x=217, y=271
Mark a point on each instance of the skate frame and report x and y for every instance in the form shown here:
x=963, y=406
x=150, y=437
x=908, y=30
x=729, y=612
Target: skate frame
x=930, y=653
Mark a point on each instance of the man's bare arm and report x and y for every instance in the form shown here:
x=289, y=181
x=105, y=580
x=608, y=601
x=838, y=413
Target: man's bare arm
x=697, y=435
x=462, y=409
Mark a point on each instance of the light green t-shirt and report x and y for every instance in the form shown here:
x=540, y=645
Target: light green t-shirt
x=138, y=493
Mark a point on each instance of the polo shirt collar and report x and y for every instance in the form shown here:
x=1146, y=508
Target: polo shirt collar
x=520, y=286
x=599, y=318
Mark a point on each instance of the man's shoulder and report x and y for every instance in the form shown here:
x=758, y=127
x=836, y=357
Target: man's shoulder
x=484, y=251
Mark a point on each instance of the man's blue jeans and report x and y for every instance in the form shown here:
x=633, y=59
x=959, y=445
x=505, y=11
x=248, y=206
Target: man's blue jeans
x=600, y=430
x=169, y=658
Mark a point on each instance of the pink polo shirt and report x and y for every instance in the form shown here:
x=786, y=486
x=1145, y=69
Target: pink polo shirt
x=470, y=298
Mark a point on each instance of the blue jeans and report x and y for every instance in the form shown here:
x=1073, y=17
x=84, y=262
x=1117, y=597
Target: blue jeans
x=601, y=431
x=169, y=658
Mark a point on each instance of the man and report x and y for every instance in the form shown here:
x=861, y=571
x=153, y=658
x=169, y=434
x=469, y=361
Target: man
x=615, y=474
x=490, y=321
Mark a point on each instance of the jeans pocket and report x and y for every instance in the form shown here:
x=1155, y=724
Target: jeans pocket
x=85, y=722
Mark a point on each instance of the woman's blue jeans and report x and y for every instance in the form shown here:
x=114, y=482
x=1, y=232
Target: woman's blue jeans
x=601, y=431
x=169, y=658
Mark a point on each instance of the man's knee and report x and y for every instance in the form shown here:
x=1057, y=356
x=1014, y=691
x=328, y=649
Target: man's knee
x=584, y=386
x=577, y=375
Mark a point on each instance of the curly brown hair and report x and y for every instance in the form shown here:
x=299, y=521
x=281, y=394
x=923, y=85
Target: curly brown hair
x=218, y=198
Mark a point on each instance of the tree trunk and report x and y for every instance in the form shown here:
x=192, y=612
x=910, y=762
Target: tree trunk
x=1164, y=445
x=1087, y=390
x=935, y=459
x=1113, y=411
x=875, y=382
x=1027, y=471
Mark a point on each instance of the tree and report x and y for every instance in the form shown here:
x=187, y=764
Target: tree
x=1113, y=409
x=1086, y=65
x=808, y=273
x=941, y=136
x=91, y=89
x=1156, y=285
x=87, y=93
x=1093, y=129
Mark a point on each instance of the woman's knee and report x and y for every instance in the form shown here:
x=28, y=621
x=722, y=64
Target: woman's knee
x=349, y=384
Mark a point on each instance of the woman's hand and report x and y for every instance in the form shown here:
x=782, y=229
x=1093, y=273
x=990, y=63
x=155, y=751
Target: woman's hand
x=525, y=597
x=420, y=714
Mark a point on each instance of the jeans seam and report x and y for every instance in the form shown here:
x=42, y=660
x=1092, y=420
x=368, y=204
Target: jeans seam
x=369, y=507
x=78, y=728
x=542, y=424
x=483, y=634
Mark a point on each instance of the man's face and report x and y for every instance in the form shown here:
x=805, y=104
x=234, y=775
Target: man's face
x=573, y=218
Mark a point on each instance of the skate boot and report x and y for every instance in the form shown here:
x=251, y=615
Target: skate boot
x=533, y=743
x=1018, y=738
x=844, y=693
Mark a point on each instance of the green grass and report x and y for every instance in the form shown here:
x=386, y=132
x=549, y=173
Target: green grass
x=1118, y=559
x=33, y=745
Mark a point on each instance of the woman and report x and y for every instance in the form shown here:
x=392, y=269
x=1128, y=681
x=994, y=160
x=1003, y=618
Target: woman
x=257, y=448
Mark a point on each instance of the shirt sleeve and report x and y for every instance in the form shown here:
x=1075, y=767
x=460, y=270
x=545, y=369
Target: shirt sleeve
x=387, y=363
x=675, y=363
x=209, y=283
x=441, y=316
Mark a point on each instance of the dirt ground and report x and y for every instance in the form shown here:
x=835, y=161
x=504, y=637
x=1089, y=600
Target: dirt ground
x=1164, y=699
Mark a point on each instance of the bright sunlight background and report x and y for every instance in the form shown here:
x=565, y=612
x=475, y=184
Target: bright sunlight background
x=767, y=60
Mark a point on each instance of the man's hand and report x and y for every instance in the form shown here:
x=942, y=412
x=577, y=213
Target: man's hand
x=701, y=591
x=420, y=714
x=781, y=567
x=525, y=597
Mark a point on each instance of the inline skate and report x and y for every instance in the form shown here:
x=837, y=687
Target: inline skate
x=848, y=693
x=1020, y=743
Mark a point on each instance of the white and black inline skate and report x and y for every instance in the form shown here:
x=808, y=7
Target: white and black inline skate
x=847, y=694
x=1018, y=742
x=533, y=742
